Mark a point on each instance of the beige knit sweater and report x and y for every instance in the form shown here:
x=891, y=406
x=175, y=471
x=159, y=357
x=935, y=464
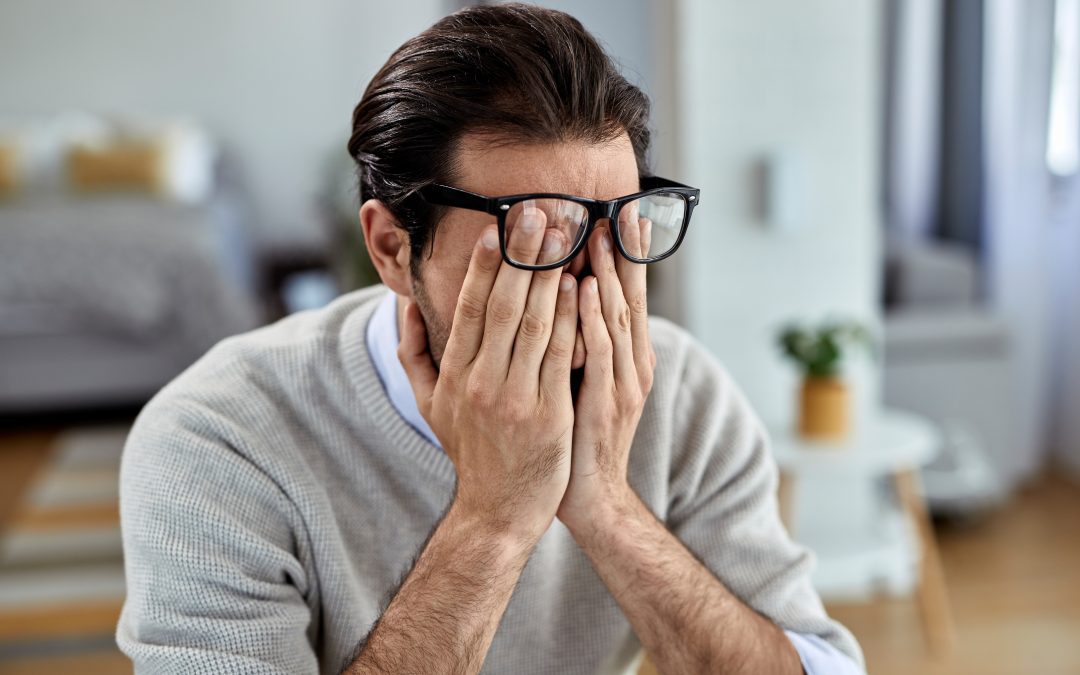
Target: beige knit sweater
x=272, y=500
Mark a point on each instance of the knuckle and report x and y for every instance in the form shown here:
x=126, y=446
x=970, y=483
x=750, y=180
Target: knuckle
x=559, y=349
x=532, y=328
x=478, y=393
x=622, y=318
x=500, y=312
x=639, y=304
x=471, y=307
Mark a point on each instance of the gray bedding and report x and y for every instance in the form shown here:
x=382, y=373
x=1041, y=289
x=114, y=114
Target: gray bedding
x=130, y=267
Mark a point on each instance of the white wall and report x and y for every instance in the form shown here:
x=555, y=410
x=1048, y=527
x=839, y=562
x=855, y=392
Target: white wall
x=802, y=78
x=276, y=81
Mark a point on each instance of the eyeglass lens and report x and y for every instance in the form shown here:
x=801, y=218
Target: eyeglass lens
x=649, y=227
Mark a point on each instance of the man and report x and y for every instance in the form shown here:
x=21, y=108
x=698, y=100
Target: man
x=495, y=461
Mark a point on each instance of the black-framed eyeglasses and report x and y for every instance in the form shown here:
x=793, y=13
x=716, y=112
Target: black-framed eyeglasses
x=647, y=226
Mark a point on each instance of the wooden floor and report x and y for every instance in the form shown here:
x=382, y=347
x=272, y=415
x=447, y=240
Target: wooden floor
x=1013, y=580
x=1014, y=585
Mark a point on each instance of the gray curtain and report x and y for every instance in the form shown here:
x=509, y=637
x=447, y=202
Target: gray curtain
x=960, y=194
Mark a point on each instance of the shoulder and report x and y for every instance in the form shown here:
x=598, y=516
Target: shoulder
x=711, y=427
x=685, y=364
x=286, y=343
x=254, y=387
x=263, y=365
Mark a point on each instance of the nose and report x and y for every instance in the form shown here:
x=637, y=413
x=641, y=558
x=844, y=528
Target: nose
x=580, y=266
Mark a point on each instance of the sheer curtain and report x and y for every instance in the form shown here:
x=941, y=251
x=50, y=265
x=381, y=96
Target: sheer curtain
x=967, y=161
x=1063, y=160
x=1018, y=56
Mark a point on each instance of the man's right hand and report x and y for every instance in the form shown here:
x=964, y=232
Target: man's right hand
x=500, y=403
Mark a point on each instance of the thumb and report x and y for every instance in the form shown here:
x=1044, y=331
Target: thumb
x=414, y=356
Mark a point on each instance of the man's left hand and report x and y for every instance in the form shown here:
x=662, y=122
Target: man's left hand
x=618, y=375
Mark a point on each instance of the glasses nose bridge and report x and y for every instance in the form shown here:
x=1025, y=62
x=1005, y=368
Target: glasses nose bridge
x=607, y=210
x=603, y=211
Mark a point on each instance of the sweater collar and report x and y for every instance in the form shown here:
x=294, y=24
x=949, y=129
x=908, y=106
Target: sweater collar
x=377, y=419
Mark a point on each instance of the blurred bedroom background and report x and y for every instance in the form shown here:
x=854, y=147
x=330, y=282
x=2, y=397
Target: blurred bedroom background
x=172, y=173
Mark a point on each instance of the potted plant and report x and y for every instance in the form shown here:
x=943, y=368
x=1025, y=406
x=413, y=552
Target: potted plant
x=824, y=398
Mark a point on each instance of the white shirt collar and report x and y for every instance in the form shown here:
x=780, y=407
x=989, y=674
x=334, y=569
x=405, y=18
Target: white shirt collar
x=382, y=343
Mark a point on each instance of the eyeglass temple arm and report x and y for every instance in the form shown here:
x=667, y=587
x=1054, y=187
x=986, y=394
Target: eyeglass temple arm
x=653, y=182
x=444, y=195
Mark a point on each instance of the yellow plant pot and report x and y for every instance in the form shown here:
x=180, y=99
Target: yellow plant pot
x=824, y=409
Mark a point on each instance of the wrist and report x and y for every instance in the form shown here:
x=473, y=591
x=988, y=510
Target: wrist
x=506, y=536
x=603, y=510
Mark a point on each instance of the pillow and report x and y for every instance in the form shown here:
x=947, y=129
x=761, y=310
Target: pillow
x=190, y=162
x=174, y=161
x=42, y=144
x=126, y=166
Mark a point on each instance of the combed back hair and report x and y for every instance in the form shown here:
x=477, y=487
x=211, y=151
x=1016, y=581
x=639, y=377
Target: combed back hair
x=518, y=72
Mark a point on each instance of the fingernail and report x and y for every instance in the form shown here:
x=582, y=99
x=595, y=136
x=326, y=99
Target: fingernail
x=551, y=243
x=593, y=287
x=530, y=217
x=491, y=239
x=567, y=283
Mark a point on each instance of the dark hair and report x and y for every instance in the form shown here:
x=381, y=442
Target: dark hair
x=520, y=72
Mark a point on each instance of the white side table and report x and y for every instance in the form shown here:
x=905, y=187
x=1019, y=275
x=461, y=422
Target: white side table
x=861, y=542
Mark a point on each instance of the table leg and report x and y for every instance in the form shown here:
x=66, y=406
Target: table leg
x=932, y=595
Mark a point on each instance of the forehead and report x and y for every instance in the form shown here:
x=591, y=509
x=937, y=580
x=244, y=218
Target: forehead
x=495, y=166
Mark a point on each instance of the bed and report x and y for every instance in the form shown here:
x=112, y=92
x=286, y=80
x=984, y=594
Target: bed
x=104, y=299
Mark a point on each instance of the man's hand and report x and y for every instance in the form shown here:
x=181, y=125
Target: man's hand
x=619, y=366
x=500, y=403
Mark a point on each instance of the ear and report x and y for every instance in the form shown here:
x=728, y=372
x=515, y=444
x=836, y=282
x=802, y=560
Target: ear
x=388, y=246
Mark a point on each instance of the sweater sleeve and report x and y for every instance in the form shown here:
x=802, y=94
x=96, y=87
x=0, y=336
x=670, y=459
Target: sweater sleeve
x=214, y=583
x=723, y=503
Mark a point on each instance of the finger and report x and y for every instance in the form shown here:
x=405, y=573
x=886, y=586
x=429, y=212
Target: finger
x=467, y=330
x=598, y=347
x=416, y=359
x=558, y=359
x=510, y=291
x=629, y=230
x=616, y=312
x=636, y=235
x=579, y=350
x=534, y=329
x=646, y=236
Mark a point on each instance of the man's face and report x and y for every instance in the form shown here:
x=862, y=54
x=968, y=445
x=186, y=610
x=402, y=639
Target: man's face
x=604, y=171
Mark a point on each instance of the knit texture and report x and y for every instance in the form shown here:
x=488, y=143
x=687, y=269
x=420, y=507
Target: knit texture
x=272, y=500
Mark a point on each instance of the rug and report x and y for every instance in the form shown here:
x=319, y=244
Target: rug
x=61, y=558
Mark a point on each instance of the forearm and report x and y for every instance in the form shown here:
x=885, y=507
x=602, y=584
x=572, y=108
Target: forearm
x=445, y=614
x=686, y=619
